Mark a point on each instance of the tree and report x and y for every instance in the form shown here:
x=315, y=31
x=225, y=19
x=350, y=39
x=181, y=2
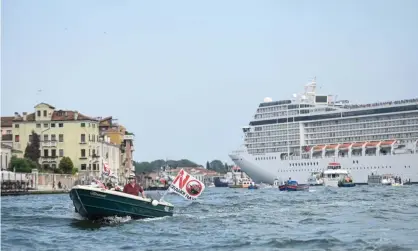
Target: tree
x=218, y=166
x=21, y=165
x=207, y=165
x=226, y=167
x=66, y=165
x=32, y=149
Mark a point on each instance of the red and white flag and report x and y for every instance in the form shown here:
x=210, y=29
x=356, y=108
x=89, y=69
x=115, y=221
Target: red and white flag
x=106, y=169
x=187, y=186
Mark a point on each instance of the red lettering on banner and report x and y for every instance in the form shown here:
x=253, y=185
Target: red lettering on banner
x=179, y=178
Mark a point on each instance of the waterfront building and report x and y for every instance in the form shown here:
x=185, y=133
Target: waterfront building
x=65, y=133
x=7, y=130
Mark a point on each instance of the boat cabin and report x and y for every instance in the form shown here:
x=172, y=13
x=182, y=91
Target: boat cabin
x=334, y=171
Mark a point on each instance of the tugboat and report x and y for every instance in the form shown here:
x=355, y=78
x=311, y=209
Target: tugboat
x=334, y=176
x=292, y=185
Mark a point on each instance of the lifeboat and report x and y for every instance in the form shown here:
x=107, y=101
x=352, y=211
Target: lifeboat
x=372, y=144
x=387, y=143
x=344, y=146
x=318, y=148
x=358, y=145
x=330, y=147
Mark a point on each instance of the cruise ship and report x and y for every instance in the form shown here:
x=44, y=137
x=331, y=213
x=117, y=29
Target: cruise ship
x=297, y=137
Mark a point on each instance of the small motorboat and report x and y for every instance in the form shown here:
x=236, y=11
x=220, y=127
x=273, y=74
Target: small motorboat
x=292, y=185
x=346, y=182
x=252, y=186
x=95, y=202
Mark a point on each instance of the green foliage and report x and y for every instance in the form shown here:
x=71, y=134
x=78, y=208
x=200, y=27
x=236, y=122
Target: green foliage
x=157, y=164
x=66, y=165
x=21, y=165
x=32, y=151
x=74, y=171
x=215, y=165
x=218, y=166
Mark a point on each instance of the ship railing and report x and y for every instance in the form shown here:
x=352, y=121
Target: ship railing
x=239, y=151
x=388, y=103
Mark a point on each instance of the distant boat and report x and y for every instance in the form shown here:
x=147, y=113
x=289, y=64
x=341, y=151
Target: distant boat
x=334, y=176
x=220, y=182
x=291, y=185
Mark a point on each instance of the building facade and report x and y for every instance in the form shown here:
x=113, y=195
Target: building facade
x=5, y=156
x=109, y=127
x=109, y=153
x=7, y=130
x=65, y=133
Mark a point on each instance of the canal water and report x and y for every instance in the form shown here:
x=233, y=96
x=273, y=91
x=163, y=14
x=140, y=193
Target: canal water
x=359, y=218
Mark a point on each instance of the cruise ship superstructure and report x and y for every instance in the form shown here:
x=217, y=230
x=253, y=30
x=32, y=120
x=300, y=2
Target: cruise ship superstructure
x=296, y=137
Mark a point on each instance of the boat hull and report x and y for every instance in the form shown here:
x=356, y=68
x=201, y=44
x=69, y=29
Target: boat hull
x=252, y=187
x=96, y=203
x=346, y=184
x=219, y=183
x=294, y=188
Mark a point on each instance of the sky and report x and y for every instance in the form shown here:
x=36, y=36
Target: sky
x=185, y=76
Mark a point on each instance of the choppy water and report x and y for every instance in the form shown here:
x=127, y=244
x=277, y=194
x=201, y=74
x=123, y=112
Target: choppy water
x=360, y=218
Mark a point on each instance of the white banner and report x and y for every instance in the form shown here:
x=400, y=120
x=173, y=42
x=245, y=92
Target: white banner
x=187, y=186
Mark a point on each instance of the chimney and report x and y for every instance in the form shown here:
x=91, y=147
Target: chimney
x=17, y=115
x=25, y=114
x=75, y=115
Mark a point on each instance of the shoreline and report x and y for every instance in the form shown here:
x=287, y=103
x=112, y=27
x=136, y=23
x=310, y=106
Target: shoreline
x=32, y=192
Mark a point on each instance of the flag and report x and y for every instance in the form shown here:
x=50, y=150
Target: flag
x=106, y=169
x=187, y=186
x=99, y=183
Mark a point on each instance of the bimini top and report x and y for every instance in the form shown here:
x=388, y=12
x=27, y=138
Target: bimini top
x=292, y=182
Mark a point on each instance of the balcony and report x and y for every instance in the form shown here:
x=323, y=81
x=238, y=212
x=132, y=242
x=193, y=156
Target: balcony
x=7, y=137
x=49, y=143
x=49, y=159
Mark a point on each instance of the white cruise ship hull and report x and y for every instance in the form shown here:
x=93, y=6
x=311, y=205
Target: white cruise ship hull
x=401, y=165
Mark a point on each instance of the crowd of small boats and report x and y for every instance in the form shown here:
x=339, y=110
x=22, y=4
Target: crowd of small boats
x=333, y=176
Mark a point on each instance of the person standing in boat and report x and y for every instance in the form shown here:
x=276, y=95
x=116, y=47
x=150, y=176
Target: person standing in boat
x=133, y=188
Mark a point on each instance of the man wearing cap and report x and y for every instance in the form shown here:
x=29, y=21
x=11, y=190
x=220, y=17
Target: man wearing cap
x=133, y=188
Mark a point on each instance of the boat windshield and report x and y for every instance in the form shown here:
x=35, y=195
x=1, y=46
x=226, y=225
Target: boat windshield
x=292, y=182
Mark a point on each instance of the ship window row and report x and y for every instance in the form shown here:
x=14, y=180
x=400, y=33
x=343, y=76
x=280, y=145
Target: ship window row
x=282, y=107
x=287, y=113
x=321, y=169
x=273, y=144
x=272, y=133
x=256, y=151
x=269, y=139
x=373, y=124
x=376, y=136
x=265, y=158
x=277, y=127
x=350, y=168
x=339, y=115
x=341, y=140
x=405, y=116
x=362, y=132
x=278, y=114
